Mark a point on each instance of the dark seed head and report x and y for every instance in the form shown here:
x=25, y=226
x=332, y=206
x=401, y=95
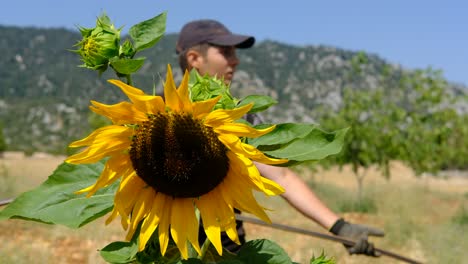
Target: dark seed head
x=179, y=156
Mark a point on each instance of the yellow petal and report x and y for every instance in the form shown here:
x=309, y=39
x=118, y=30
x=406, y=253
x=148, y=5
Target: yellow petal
x=170, y=93
x=164, y=224
x=125, y=197
x=259, y=156
x=101, y=143
x=244, y=168
x=142, y=206
x=151, y=222
x=119, y=114
x=231, y=231
x=113, y=215
x=216, y=214
x=184, y=225
x=271, y=187
x=233, y=143
x=184, y=95
x=128, y=191
x=241, y=197
x=192, y=229
x=114, y=168
x=220, y=116
x=144, y=103
x=100, y=134
x=96, y=152
x=125, y=87
x=202, y=108
x=212, y=228
x=85, y=190
x=242, y=130
x=148, y=104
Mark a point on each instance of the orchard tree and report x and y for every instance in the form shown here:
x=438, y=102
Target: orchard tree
x=415, y=122
x=3, y=145
x=457, y=144
x=373, y=136
x=436, y=135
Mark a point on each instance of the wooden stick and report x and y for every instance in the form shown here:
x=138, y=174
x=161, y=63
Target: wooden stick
x=342, y=240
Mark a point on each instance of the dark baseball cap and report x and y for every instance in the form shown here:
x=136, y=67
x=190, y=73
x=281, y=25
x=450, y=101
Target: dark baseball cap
x=211, y=32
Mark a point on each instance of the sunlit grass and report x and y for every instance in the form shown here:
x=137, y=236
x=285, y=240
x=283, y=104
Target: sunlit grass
x=7, y=184
x=419, y=218
x=423, y=219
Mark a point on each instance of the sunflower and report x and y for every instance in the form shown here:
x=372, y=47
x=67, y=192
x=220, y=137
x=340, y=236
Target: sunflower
x=172, y=157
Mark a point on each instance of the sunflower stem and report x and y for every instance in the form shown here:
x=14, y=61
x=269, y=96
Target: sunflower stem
x=204, y=248
x=129, y=79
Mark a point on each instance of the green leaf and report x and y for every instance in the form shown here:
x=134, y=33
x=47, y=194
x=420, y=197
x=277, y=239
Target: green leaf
x=54, y=201
x=300, y=142
x=147, y=33
x=152, y=252
x=322, y=259
x=316, y=145
x=120, y=252
x=127, y=66
x=263, y=251
x=261, y=102
x=282, y=134
x=123, y=251
x=212, y=256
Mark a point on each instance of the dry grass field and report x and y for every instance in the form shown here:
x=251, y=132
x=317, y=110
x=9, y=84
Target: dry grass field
x=418, y=214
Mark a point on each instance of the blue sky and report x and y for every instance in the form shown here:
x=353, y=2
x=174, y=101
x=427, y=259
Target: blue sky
x=413, y=33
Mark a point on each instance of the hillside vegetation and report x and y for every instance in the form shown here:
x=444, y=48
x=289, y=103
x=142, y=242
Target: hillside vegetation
x=44, y=96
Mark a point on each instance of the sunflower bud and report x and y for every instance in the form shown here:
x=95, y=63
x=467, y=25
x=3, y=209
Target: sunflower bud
x=99, y=44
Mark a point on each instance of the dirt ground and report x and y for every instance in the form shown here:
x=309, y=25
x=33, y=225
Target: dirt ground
x=26, y=242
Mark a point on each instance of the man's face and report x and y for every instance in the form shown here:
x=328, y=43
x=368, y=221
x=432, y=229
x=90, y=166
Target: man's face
x=220, y=62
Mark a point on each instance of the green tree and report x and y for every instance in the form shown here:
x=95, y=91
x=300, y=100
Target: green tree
x=415, y=122
x=372, y=138
x=3, y=145
x=435, y=133
x=457, y=145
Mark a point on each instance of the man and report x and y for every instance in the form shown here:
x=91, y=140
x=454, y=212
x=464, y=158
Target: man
x=210, y=48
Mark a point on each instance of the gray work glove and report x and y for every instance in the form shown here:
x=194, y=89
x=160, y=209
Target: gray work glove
x=359, y=234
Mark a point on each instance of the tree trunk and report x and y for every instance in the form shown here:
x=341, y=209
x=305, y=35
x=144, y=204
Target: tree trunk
x=360, y=184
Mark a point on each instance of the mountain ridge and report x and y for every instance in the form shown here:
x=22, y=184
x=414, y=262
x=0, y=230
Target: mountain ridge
x=49, y=95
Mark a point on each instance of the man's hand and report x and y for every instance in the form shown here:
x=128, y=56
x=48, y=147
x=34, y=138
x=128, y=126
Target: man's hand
x=359, y=234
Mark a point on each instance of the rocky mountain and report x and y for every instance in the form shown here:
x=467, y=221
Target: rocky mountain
x=44, y=96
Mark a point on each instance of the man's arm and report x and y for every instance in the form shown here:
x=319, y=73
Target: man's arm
x=300, y=196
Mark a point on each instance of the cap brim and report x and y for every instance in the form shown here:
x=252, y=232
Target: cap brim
x=239, y=41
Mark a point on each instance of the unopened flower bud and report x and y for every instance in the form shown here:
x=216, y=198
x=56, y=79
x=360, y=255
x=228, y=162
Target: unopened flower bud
x=99, y=44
